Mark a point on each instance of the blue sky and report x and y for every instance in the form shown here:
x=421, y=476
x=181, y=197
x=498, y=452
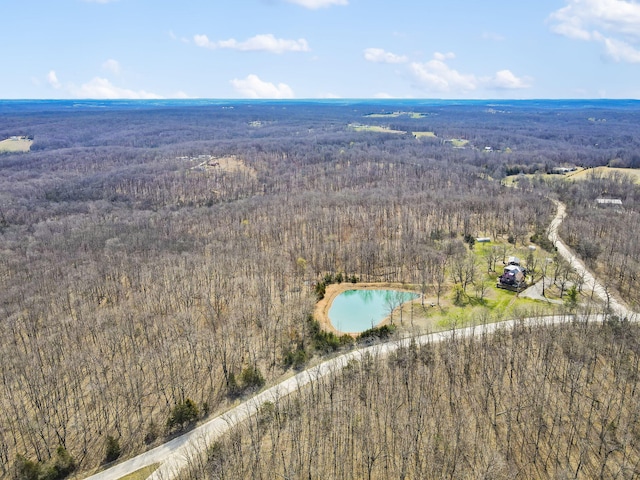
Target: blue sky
x=320, y=49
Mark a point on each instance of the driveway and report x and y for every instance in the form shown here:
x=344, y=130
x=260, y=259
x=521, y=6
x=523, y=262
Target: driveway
x=591, y=284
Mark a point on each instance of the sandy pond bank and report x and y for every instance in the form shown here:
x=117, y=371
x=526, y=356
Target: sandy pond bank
x=321, y=311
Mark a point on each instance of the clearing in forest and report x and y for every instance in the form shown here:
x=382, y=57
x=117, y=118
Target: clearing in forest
x=458, y=142
x=230, y=164
x=585, y=173
x=15, y=144
x=373, y=128
x=424, y=134
x=579, y=174
x=396, y=115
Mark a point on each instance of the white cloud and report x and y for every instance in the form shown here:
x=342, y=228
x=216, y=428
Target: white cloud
x=101, y=88
x=614, y=23
x=52, y=78
x=437, y=76
x=112, y=66
x=253, y=87
x=506, y=80
x=259, y=43
x=315, y=4
x=378, y=55
x=203, y=41
x=444, y=56
x=619, y=50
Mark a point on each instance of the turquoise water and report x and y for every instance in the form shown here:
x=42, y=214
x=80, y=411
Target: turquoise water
x=355, y=311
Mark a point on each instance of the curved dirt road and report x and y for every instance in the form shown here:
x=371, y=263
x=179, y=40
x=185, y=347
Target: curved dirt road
x=591, y=284
x=180, y=452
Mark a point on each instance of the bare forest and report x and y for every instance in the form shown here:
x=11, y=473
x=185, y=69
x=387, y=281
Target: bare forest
x=158, y=262
x=532, y=402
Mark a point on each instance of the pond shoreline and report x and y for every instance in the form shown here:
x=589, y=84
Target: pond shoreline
x=321, y=310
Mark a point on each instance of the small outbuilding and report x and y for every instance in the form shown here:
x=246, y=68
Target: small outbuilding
x=513, y=261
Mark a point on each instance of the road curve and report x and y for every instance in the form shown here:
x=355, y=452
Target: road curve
x=180, y=452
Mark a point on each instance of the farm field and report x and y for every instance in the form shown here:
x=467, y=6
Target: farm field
x=15, y=144
x=582, y=173
x=414, y=115
x=374, y=128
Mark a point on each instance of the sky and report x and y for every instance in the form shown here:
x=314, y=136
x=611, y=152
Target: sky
x=303, y=49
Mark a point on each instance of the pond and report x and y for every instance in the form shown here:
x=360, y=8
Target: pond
x=355, y=311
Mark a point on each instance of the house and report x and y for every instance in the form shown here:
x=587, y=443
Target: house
x=609, y=201
x=564, y=170
x=513, y=278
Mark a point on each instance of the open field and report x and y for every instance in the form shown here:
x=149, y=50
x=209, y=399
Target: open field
x=230, y=164
x=581, y=174
x=458, y=142
x=374, y=128
x=15, y=145
x=424, y=134
x=584, y=173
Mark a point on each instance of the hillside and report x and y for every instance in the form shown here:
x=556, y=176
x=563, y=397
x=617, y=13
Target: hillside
x=165, y=259
x=532, y=402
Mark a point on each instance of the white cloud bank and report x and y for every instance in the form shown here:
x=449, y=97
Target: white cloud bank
x=253, y=87
x=315, y=4
x=438, y=77
x=260, y=43
x=613, y=23
x=102, y=89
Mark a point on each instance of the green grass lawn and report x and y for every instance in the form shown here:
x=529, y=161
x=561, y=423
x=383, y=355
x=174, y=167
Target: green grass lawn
x=495, y=305
x=424, y=134
x=458, y=142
